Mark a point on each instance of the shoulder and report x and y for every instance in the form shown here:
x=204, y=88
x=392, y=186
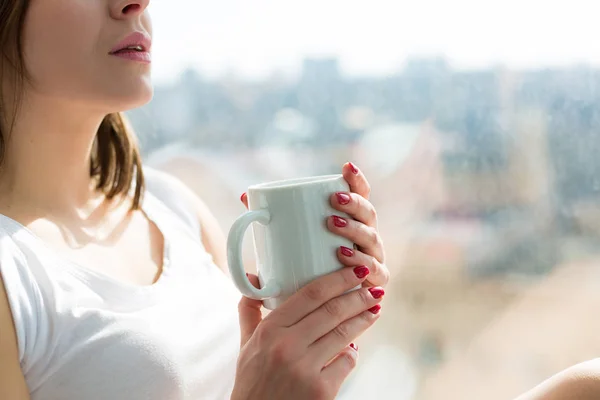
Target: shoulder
x=12, y=381
x=21, y=295
x=20, y=267
x=23, y=311
x=160, y=180
x=13, y=262
x=175, y=194
x=178, y=196
x=581, y=382
x=166, y=186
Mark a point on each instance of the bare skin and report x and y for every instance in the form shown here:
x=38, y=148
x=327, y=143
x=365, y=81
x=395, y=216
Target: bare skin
x=580, y=382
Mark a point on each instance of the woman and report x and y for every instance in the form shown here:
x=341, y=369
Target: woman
x=109, y=289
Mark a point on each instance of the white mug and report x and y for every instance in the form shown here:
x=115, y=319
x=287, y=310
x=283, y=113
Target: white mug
x=292, y=243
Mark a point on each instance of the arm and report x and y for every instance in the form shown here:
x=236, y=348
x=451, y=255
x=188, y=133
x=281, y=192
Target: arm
x=12, y=382
x=581, y=382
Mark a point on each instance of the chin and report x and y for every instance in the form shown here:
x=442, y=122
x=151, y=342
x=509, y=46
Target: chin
x=129, y=97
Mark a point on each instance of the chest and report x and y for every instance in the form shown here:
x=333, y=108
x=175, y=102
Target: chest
x=175, y=340
x=182, y=348
x=131, y=252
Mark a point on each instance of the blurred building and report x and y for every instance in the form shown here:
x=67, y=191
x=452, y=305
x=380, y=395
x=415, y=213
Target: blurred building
x=486, y=185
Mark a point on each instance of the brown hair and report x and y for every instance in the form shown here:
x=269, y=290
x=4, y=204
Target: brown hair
x=116, y=157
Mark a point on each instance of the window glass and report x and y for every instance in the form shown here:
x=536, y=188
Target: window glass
x=476, y=123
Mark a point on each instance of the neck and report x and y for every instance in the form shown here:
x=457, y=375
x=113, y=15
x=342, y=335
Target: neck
x=47, y=156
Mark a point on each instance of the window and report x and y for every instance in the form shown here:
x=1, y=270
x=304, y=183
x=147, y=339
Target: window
x=478, y=125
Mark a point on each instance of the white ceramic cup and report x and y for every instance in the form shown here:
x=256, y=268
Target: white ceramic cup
x=292, y=243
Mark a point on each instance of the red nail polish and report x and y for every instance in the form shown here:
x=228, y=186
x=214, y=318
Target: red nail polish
x=243, y=196
x=340, y=222
x=361, y=272
x=375, y=309
x=355, y=347
x=343, y=198
x=377, y=292
x=346, y=251
x=353, y=168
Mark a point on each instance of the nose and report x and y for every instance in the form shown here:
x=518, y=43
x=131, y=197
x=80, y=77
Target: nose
x=124, y=9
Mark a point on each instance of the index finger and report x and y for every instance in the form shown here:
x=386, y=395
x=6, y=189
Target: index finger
x=316, y=293
x=357, y=180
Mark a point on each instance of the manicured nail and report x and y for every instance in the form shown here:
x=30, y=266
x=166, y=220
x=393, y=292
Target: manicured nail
x=377, y=292
x=375, y=309
x=340, y=222
x=346, y=251
x=361, y=272
x=355, y=347
x=353, y=168
x=243, y=196
x=343, y=198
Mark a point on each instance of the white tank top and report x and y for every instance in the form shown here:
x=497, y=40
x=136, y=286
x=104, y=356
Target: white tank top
x=85, y=336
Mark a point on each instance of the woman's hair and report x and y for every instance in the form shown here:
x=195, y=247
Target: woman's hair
x=116, y=157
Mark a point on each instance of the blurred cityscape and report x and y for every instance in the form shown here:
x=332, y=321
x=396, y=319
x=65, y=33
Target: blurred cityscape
x=487, y=186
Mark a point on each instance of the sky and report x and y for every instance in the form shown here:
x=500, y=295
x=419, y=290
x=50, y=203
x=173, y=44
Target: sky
x=255, y=38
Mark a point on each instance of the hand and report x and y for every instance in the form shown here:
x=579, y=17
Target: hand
x=361, y=230
x=302, y=349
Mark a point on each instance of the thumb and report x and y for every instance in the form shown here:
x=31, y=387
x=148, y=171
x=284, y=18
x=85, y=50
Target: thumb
x=250, y=313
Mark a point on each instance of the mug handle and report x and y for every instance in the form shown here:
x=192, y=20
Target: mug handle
x=234, y=256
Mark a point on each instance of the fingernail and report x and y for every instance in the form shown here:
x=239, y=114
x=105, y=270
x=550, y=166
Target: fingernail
x=340, y=222
x=361, y=272
x=243, y=196
x=377, y=292
x=355, y=347
x=343, y=198
x=346, y=251
x=375, y=309
x=353, y=168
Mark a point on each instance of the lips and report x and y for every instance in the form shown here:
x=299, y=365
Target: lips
x=134, y=42
x=129, y=50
